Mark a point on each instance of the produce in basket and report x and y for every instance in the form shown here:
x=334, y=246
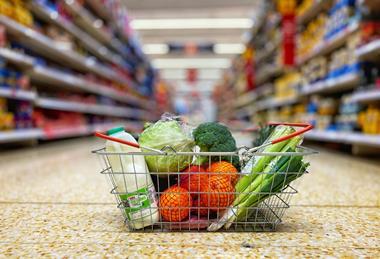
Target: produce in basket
x=194, y=183
x=175, y=204
x=269, y=175
x=218, y=193
x=167, y=132
x=226, y=170
x=215, y=137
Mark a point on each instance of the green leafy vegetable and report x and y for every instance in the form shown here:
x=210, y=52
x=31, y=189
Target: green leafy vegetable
x=166, y=133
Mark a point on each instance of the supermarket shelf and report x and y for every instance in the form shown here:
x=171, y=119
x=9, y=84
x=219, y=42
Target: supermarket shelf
x=328, y=46
x=17, y=58
x=274, y=103
x=100, y=9
x=366, y=96
x=99, y=109
x=65, y=132
x=246, y=99
x=57, y=78
x=332, y=85
x=19, y=135
x=17, y=94
x=344, y=137
x=85, y=130
x=267, y=73
x=369, y=51
x=313, y=11
x=92, y=25
x=49, y=49
x=92, y=45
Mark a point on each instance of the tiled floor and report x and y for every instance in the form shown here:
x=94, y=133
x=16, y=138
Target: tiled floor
x=53, y=202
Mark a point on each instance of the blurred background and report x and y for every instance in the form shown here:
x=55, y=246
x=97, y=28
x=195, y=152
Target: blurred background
x=71, y=67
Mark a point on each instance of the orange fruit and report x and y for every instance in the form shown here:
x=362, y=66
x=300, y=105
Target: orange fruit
x=226, y=169
x=200, y=207
x=193, y=183
x=218, y=194
x=175, y=203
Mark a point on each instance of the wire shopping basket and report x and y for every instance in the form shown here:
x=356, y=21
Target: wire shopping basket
x=199, y=198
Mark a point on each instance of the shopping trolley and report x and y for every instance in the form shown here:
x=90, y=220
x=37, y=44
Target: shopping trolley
x=207, y=214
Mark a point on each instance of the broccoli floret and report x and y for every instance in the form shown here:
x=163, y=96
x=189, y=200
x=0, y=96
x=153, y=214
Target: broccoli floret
x=215, y=137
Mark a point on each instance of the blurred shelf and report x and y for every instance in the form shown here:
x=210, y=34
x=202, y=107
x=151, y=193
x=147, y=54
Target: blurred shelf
x=92, y=25
x=274, y=103
x=17, y=58
x=369, y=51
x=366, y=96
x=99, y=109
x=245, y=99
x=130, y=126
x=338, y=84
x=100, y=9
x=344, y=137
x=58, y=78
x=313, y=11
x=90, y=43
x=267, y=72
x=328, y=46
x=50, y=133
x=19, y=135
x=17, y=94
x=49, y=49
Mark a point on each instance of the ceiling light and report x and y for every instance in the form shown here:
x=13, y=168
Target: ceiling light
x=228, y=48
x=172, y=63
x=155, y=49
x=194, y=23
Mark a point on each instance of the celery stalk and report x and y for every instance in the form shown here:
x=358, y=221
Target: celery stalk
x=262, y=161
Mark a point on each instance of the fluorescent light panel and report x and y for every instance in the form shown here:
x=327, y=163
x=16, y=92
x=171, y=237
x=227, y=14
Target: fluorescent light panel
x=191, y=23
x=172, y=63
x=219, y=48
x=155, y=49
x=229, y=48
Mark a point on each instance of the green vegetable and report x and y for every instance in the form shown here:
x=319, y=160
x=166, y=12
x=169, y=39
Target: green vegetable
x=166, y=133
x=270, y=174
x=262, y=161
x=273, y=183
x=215, y=137
x=263, y=135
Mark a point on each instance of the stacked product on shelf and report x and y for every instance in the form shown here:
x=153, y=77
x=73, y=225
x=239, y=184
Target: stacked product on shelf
x=83, y=62
x=335, y=83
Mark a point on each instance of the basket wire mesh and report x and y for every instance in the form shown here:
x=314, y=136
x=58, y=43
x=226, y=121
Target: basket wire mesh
x=203, y=206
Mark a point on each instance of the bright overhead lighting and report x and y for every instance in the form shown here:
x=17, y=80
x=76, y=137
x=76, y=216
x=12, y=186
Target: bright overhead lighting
x=155, y=49
x=172, y=63
x=227, y=48
x=194, y=23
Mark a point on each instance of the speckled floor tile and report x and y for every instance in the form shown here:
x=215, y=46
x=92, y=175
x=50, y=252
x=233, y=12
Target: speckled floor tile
x=309, y=227
x=339, y=180
x=57, y=173
x=54, y=203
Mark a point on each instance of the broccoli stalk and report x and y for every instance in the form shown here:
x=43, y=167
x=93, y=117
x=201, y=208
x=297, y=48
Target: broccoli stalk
x=215, y=137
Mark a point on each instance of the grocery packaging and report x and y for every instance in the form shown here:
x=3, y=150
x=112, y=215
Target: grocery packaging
x=133, y=182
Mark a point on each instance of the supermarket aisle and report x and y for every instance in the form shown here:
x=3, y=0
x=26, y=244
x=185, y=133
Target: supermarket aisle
x=54, y=202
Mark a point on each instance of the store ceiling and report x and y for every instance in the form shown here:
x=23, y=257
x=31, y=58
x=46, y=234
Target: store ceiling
x=226, y=30
x=147, y=15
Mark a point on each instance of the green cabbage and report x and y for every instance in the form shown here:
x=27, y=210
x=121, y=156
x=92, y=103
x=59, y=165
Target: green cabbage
x=166, y=133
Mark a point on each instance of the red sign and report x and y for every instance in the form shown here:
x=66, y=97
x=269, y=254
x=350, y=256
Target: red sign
x=288, y=39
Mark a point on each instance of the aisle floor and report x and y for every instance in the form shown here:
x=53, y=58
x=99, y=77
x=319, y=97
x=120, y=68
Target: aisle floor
x=53, y=202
